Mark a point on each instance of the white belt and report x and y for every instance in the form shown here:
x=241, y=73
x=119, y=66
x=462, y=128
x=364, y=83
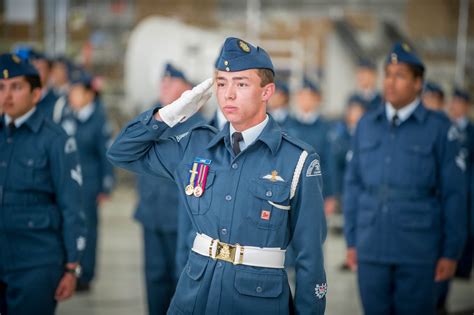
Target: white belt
x=239, y=255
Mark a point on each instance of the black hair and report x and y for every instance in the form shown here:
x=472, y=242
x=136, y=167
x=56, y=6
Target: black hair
x=418, y=71
x=34, y=81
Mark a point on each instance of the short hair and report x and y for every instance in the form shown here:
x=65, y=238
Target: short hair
x=266, y=76
x=34, y=81
x=417, y=71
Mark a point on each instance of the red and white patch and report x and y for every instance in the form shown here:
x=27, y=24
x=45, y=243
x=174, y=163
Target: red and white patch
x=265, y=215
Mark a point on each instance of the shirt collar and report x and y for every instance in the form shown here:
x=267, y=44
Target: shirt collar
x=32, y=119
x=279, y=114
x=270, y=135
x=462, y=122
x=306, y=118
x=403, y=113
x=86, y=112
x=251, y=134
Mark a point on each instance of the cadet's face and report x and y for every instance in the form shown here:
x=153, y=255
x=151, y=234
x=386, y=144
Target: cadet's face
x=366, y=78
x=16, y=96
x=432, y=101
x=400, y=85
x=171, y=89
x=58, y=74
x=353, y=114
x=79, y=96
x=241, y=98
x=308, y=101
x=278, y=100
x=43, y=68
x=458, y=108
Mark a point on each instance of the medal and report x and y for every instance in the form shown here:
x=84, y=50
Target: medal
x=198, y=191
x=189, y=190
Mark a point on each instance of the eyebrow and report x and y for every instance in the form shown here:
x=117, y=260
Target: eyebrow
x=234, y=78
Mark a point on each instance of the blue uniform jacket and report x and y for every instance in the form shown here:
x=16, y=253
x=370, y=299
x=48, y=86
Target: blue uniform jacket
x=317, y=135
x=404, y=200
x=47, y=103
x=340, y=144
x=158, y=206
x=93, y=136
x=230, y=210
x=41, y=219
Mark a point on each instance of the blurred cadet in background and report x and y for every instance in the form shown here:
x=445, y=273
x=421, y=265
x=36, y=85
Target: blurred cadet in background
x=313, y=129
x=42, y=230
x=59, y=76
x=278, y=105
x=366, y=77
x=404, y=198
x=458, y=109
x=158, y=208
x=83, y=120
x=433, y=96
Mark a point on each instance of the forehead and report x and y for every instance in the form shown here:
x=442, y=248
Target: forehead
x=238, y=75
x=397, y=67
x=19, y=79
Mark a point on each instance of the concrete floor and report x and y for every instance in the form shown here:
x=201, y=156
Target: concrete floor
x=119, y=288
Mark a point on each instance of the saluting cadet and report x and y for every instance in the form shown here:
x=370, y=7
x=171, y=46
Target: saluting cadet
x=314, y=129
x=249, y=189
x=403, y=200
x=87, y=123
x=158, y=209
x=42, y=230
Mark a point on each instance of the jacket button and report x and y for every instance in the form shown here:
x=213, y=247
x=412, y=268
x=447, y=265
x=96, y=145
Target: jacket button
x=31, y=224
x=224, y=231
x=269, y=193
x=219, y=264
x=155, y=127
x=228, y=197
x=259, y=289
x=235, y=166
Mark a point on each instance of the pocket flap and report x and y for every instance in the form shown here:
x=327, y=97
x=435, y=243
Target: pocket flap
x=418, y=149
x=30, y=221
x=196, y=266
x=258, y=284
x=415, y=220
x=263, y=189
x=368, y=145
x=34, y=163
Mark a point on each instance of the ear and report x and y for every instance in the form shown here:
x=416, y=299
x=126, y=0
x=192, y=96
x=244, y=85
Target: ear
x=268, y=91
x=36, y=95
x=419, y=84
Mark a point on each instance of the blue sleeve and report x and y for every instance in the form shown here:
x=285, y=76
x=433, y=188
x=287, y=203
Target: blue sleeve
x=138, y=147
x=452, y=183
x=67, y=178
x=352, y=189
x=103, y=143
x=308, y=225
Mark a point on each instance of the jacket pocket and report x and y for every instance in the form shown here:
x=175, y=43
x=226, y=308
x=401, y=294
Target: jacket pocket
x=189, y=284
x=270, y=203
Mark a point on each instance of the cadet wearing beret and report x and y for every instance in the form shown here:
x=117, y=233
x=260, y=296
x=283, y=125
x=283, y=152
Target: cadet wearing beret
x=42, y=230
x=159, y=206
x=249, y=189
x=403, y=200
x=433, y=96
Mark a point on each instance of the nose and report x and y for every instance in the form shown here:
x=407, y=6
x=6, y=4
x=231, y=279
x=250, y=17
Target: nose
x=230, y=92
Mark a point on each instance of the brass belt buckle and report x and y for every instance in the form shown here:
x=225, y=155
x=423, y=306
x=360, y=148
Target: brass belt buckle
x=225, y=252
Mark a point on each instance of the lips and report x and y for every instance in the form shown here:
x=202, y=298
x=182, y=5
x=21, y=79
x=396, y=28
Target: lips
x=230, y=108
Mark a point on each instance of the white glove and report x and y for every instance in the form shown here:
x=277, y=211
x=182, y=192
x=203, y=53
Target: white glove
x=187, y=104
